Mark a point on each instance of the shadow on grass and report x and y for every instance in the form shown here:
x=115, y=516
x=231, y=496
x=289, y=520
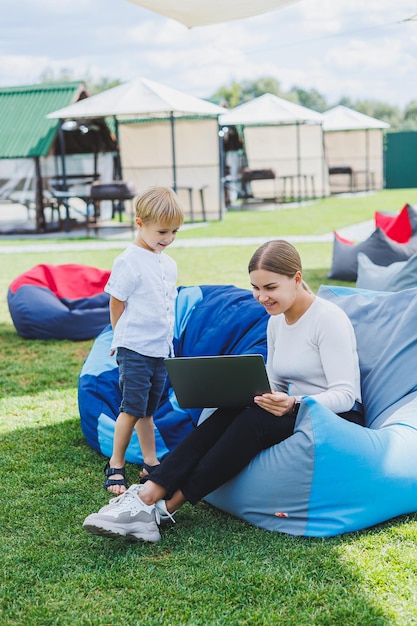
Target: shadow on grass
x=32, y=366
x=209, y=568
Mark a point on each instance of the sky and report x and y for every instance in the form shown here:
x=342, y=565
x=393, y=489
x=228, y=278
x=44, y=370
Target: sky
x=360, y=49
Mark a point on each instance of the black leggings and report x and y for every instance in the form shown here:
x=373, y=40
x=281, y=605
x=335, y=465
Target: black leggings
x=220, y=448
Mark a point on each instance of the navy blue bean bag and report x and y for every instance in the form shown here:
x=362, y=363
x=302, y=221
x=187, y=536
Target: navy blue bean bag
x=210, y=319
x=59, y=302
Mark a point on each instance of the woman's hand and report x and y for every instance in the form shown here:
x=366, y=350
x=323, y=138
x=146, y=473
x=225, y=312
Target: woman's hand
x=277, y=403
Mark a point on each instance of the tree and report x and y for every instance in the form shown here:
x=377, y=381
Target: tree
x=381, y=111
x=238, y=93
x=65, y=75
x=103, y=84
x=227, y=95
x=410, y=116
x=311, y=99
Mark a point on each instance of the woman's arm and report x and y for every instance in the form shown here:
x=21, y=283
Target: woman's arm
x=317, y=357
x=338, y=354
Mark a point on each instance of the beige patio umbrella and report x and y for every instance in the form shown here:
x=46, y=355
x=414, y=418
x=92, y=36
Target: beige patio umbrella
x=204, y=12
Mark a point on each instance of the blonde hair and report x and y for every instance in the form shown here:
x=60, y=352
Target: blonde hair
x=277, y=256
x=159, y=204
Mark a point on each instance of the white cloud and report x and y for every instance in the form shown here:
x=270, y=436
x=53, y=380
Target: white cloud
x=339, y=47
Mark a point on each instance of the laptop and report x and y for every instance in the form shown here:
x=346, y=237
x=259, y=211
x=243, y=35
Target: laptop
x=217, y=381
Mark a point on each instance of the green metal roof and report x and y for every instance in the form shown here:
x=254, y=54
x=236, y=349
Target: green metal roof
x=24, y=130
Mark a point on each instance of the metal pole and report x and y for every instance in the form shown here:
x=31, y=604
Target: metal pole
x=174, y=164
x=119, y=172
x=367, y=159
x=221, y=172
x=40, y=216
x=324, y=165
x=298, y=160
x=64, y=176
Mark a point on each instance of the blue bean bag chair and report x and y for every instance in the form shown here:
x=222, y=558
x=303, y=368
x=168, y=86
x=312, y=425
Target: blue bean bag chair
x=393, y=277
x=332, y=476
x=209, y=320
x=59, y=302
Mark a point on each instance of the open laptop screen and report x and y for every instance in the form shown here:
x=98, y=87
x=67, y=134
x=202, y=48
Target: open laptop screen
x=231, y=380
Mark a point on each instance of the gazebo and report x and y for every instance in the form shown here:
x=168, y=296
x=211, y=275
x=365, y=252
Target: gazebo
x=285, y=138
x=355, y=150
x=30, y=144
x=166, y=137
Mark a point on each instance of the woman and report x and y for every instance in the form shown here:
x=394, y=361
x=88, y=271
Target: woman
x=311, y=351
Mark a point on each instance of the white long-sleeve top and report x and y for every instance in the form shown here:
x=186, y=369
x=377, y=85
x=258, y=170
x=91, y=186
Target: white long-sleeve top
x=315, y=356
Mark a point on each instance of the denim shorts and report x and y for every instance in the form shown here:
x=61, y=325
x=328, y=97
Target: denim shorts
x=141, y=380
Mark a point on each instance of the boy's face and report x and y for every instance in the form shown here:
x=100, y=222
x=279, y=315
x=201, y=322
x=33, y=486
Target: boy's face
x=155, y=236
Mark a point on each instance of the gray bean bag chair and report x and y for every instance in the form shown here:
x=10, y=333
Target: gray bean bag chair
x=379, y=248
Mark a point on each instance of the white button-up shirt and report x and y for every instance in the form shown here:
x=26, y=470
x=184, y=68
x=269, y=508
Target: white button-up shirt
x=146, y=281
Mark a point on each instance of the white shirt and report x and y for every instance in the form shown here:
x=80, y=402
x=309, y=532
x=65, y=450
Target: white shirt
x=315, y=356
x=146, y=282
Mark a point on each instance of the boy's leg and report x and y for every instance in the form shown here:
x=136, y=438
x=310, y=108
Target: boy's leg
x=146, y=435
x=125, y=424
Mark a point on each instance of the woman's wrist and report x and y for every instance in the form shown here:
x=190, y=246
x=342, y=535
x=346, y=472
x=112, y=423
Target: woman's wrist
x=294, y=409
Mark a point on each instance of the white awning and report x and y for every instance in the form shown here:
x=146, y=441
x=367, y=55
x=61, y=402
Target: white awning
x=269, y=109
x=343, y=118
x=139, y=98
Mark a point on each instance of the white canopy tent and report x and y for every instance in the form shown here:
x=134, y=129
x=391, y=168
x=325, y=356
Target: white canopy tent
x=354, y=145
x=286, y=138
x=200, y=12
x=166, y=137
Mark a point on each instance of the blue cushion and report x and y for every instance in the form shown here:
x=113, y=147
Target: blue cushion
x=332, y=476
x=393, y=277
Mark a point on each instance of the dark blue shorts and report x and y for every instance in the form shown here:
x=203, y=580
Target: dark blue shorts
x=141, y=380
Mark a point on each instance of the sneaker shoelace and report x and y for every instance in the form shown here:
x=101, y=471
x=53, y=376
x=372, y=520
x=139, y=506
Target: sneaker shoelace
x=163, y=512
x=123, y=501
x=125, y=496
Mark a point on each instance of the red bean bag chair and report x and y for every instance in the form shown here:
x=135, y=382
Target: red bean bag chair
x=60, y=302
x=399, y=227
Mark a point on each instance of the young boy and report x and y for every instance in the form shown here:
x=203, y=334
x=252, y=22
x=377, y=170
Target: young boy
x=142, y=288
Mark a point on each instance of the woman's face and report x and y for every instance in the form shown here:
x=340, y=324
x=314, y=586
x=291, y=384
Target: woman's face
x=275, y=292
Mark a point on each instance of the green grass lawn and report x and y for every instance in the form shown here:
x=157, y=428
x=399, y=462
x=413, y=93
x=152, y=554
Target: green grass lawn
x=209, y=569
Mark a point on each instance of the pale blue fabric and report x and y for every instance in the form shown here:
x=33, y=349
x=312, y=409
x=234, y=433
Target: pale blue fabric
x=394, y=277
x=332, y=476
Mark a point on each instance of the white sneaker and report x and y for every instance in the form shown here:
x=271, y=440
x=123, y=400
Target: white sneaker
x=126, y=516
